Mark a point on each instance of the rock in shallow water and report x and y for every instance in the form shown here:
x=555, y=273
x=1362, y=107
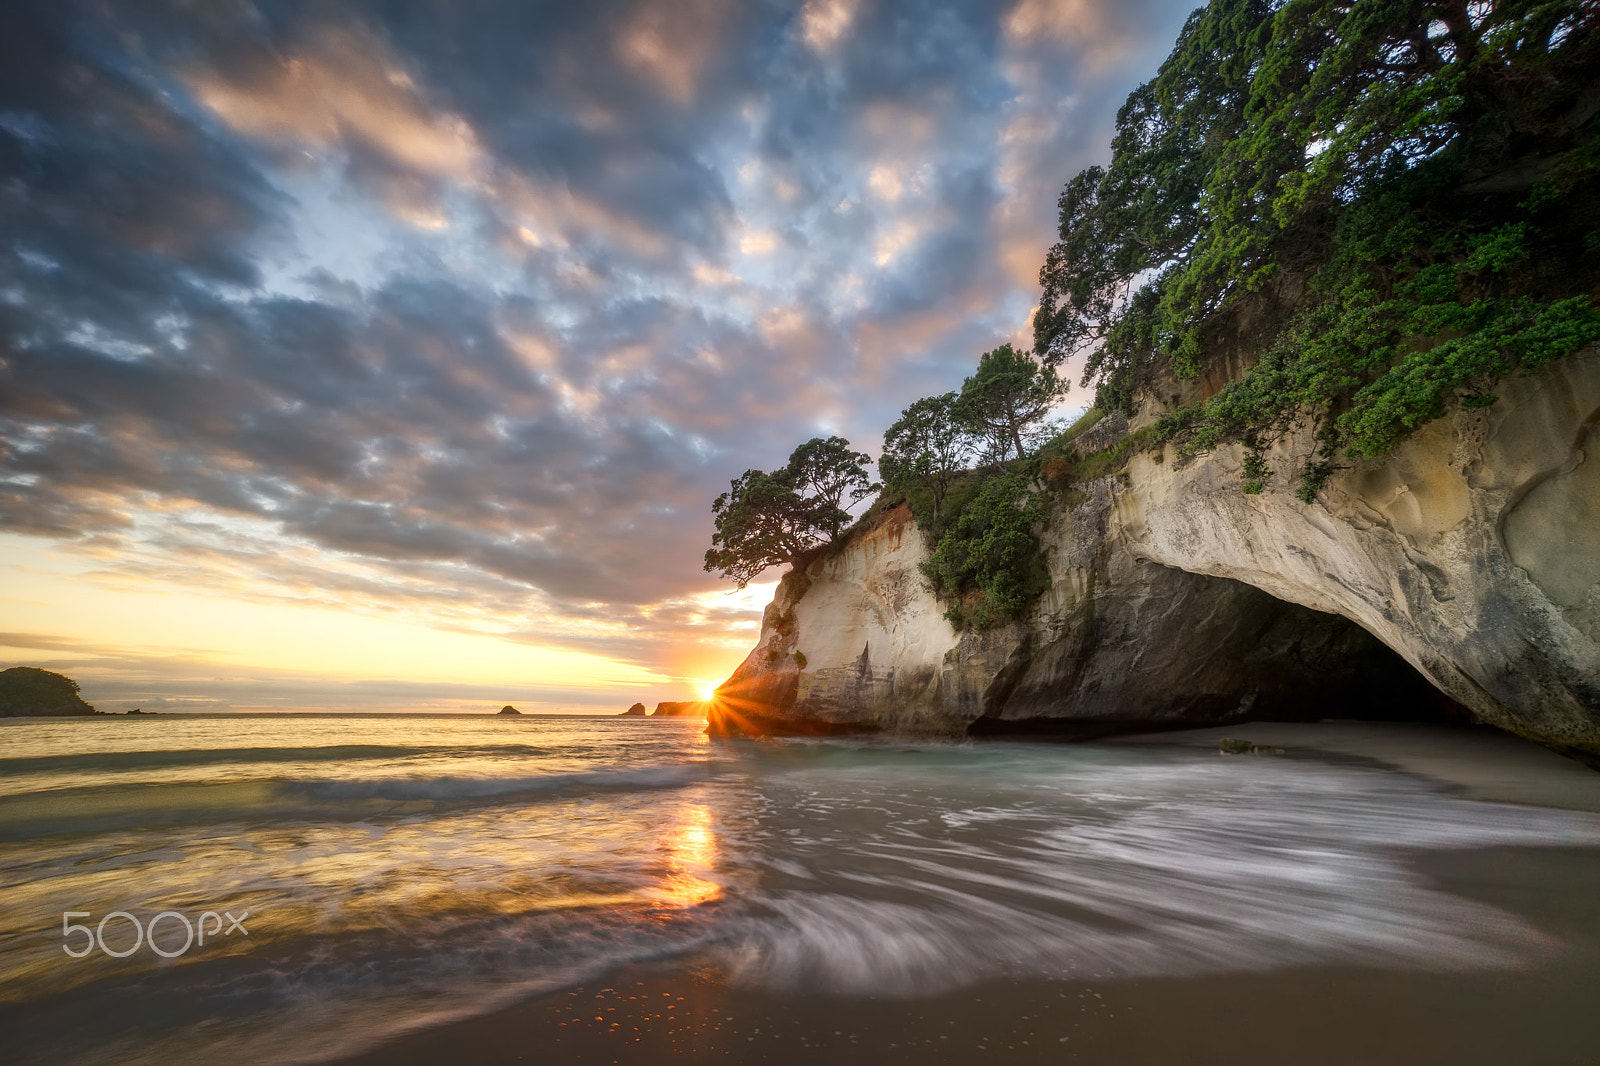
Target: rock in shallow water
x=1237, y=746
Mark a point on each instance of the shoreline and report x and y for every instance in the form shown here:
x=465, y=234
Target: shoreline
x=1480, y=762
x=1333, y=1014
x=1329, y=1015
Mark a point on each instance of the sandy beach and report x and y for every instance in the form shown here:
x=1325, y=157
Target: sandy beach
x=1478, y=761
x=1536, y=1012
x=1314, y=1016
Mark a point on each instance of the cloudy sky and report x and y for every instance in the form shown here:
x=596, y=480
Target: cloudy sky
x=389, y=355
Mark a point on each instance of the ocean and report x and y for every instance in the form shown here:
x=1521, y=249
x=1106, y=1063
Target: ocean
x=329, y=883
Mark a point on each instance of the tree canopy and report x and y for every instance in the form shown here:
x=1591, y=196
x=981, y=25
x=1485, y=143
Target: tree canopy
x=926, y=448
x=830, y=479
x=28, y=690
x=768, y=519
x=1385, y=205
x=1005, y=397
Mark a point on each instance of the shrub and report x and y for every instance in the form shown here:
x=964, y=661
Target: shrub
x=988, y=563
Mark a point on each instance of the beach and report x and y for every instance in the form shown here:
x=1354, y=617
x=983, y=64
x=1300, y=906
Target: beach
x=625, y=890
x=1334, y=1015
x=1329, y=1016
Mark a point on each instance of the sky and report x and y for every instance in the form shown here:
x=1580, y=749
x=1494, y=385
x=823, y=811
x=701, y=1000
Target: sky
x=388, y=356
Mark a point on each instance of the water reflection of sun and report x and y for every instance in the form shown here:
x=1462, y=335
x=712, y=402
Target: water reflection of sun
x=691, y=852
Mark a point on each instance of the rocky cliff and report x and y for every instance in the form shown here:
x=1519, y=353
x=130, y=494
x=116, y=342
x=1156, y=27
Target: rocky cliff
x=1460, y=576
x=680, y=709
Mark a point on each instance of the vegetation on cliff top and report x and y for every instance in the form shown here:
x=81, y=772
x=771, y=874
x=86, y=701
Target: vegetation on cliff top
x=1388, y=205
x=769, y=518
x=1380, y=206
x=28, y=690
x=986, y=563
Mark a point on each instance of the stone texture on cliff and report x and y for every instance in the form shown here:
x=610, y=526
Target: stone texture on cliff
x=1473, y=551
x=679, y=709
x=878, y=652
x=1470, y=556
x=1168, y=648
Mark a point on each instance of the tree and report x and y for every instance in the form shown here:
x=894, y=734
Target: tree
x=1009, y=393
x=28, y=690
x=831, y=474
x=1388, y=204
x=928, y=446
x=761, y=521
x=771, y=518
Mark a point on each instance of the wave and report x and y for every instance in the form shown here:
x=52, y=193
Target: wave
x=1183, y=870
x=842, y=870
x=159, y=759
x=105, y=808
x=451, y=788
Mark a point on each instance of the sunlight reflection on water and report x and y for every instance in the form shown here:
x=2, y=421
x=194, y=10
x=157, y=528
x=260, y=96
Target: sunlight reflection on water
x=418, y=869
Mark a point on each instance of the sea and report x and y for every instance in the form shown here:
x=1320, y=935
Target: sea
x=300, y=888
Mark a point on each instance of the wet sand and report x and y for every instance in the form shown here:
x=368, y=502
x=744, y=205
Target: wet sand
x=1478, y=761
x=1542, y=1013
x=1334, y=1016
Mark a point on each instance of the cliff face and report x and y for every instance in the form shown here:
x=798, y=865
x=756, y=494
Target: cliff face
x=679, y=709
x=853, y=641
x=1462, y=570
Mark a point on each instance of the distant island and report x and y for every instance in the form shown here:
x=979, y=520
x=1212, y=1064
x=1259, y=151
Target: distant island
x=27, y=691
x=668, y=709
x=684, y=709
x=508, y=709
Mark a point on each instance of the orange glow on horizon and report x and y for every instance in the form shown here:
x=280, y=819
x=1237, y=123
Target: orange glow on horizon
x=111, y=630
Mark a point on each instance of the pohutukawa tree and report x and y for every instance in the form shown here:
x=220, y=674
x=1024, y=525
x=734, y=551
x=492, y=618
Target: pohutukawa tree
x=1007, y=396
x=769, y=519
x=831, y=479
x=1385, y=205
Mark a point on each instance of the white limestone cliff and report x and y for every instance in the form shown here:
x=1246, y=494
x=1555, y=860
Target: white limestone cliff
x=1472, y=553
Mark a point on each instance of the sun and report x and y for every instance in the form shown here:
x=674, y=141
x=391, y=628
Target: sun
x=707, y=688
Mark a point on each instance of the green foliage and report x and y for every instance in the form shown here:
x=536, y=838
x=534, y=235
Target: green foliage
x=28, y=690
x=770, y=518
x=1392, y=202
x=1107, y=461
x=831, y=478
x=1255, y=469
x=987, y=563
x=1008, y=395
x=761, y=521
x=1083, y=424
x=800, y=659
x=926, y=450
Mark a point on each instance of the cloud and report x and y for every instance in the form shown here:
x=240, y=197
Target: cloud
x=337, y=86
x=824, y=22
x=469, y=314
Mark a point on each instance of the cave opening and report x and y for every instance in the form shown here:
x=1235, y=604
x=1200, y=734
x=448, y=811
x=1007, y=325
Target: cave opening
x=1181, y=650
